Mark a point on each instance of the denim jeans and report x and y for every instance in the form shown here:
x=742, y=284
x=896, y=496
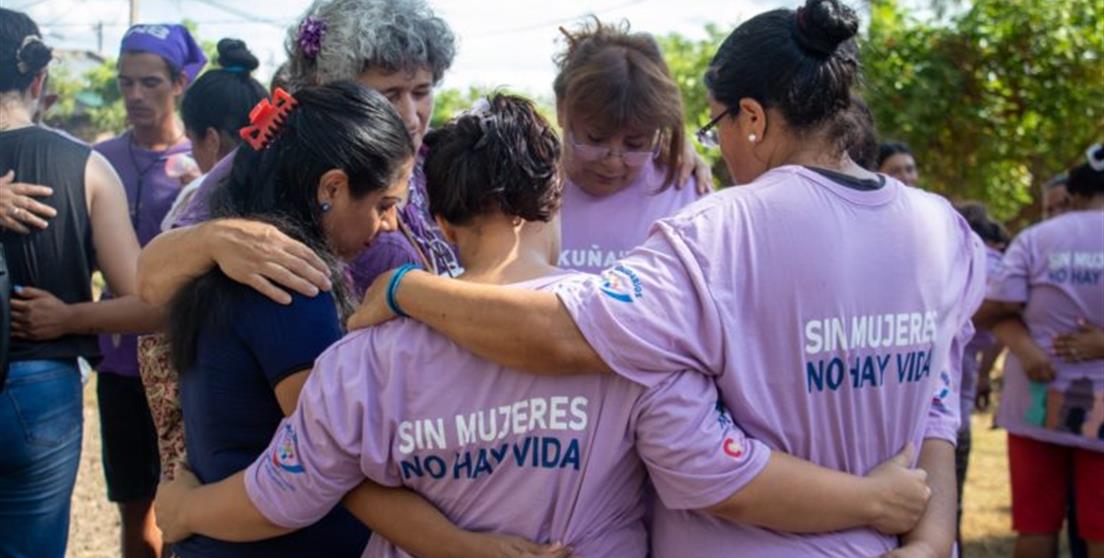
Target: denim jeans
x=41, y=424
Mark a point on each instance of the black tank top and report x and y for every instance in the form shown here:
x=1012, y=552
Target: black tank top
x=59, y=258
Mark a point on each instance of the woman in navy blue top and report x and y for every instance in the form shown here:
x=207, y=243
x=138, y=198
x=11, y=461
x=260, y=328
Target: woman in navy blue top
x=243, y=356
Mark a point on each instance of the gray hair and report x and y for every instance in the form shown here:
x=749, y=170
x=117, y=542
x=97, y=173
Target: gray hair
x=389, y=35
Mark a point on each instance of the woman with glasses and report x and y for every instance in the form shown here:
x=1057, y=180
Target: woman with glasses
x=624, y=142
x=830, y=304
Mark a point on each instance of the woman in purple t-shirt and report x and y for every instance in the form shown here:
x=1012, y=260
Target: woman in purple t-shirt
x=1050, y=280
x=624, y=143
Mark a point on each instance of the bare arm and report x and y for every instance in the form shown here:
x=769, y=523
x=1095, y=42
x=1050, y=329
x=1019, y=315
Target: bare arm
x=112, y=233
x=1033, y=358
x=413, y=524
x=799, y=497
x=513, y=327
x=39, y=316
x=249, y=252
x=934, y=537
x=224, y=511
x=993, y=312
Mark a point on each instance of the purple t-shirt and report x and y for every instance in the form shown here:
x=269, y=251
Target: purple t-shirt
x=1057, y=269
x=547, y=459
x=833, y=320
x=596, y=232
x=150, y=193
x=388, y=251
x=971, y=358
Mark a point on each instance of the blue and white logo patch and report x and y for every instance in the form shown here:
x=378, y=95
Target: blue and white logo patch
x=621, y=283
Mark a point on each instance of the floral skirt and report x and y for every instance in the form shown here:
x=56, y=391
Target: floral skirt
x=161, y=382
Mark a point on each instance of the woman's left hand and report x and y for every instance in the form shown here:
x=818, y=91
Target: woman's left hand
x=373, y=309
x=1087, y=343
x=694, y=166
x=169, y=505
x=38, y=315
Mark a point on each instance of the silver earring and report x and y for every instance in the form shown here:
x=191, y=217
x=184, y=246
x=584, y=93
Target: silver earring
x=326, y=207
x=752, y=138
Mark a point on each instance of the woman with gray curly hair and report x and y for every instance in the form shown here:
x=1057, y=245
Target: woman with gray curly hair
x=397, y=47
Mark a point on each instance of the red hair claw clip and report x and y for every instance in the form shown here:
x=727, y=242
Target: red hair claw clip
x=266, y=119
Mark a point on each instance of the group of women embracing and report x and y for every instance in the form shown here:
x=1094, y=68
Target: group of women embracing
x=768, y=370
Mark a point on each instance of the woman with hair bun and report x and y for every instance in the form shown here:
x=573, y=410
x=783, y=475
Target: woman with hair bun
x=214, y=109
x=41, y=415
x=829, y=304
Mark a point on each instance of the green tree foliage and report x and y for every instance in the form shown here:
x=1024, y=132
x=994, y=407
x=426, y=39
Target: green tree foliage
x=450, y=102
x=688, y=60
x=994, y=100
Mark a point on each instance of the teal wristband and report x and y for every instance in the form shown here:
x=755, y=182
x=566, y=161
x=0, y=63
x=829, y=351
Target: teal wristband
x=393, y=287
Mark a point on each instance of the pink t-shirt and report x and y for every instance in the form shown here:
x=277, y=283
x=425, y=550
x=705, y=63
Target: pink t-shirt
x=598, y=231
x=833, y=320
x=544, y=458
x=1057, y=269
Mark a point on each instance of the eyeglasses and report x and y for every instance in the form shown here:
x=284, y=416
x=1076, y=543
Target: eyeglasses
x=590, y=153
x=707, y=135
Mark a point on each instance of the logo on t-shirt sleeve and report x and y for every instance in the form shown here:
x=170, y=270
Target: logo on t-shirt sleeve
x=621, y=283
x=733, y=448
x=285, y=454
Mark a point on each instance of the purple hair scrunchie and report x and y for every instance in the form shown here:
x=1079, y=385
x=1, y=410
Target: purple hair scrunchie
x=311, y=31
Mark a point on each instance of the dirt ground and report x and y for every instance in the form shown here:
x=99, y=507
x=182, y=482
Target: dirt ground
x=986, y=532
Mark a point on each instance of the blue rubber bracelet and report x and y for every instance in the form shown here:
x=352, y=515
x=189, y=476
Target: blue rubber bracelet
x=393, y=287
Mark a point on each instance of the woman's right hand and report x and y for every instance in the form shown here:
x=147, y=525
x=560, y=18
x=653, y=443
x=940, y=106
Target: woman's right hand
x=169, y=505
x=900, y=494
x=261, y=256
x=1037, y=365
x=373, y=309
x=18, y=209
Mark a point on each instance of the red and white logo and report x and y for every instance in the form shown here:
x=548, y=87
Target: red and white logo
x=733, y=448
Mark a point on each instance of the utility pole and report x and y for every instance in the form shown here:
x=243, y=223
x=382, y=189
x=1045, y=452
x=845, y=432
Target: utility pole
x=99, y=38
x=133, y=11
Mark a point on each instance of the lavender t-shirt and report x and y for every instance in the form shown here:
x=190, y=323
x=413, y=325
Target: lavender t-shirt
x=971, y=359
x=150, y=194
x=1057, y=269
x=497, y=450
x=420, y=235
x=598, y=231
x=833, y=320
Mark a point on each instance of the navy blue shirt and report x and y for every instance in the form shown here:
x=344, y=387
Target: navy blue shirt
x=231, y=411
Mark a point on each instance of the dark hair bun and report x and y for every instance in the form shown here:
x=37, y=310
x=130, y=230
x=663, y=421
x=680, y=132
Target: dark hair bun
x=233, y=52
x=33, y=56
x=823, y=25
x=1085, y=181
